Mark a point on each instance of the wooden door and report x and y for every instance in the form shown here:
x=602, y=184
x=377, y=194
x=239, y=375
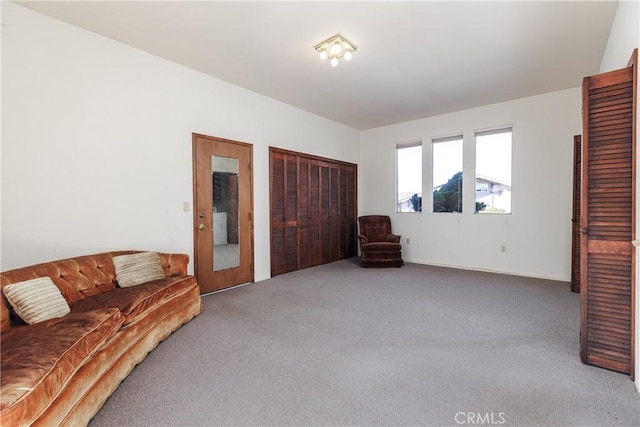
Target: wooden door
x=315, y=243
x=222, y=192
x=575, y=219
x=334, y=213
x=325, y=216
x=284, y=212
x=349, y=241
x=608, y=220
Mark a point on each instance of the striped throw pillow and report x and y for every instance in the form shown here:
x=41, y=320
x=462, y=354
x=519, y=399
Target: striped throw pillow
x=136, y=269
x=36, y=300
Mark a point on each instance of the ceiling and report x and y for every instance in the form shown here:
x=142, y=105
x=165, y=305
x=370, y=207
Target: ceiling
x=414, y=59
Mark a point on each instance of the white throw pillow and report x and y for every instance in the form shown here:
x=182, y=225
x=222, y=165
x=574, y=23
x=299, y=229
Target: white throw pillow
x=36, y=300
x=136, y=269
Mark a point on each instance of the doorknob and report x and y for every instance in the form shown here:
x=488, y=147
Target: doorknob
x=585, y=231
x=202, y=227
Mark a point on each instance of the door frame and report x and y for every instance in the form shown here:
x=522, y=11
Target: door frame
x=196, y=220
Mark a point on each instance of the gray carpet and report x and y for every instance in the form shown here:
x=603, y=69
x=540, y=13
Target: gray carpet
x=343, y=345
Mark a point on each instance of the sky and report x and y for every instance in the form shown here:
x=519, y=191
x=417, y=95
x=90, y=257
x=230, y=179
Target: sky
x=410, y=170
x=493, y=156
x=447, y=161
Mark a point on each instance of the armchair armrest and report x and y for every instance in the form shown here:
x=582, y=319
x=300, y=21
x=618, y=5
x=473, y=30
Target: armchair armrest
x=393, y=238
x=363, y=239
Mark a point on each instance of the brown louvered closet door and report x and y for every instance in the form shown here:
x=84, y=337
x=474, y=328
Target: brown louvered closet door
x=304, y=214
x=607, y=221
x=334, y=213
x=313, y=210
x=315, y=248
x=325, y=224
x=278, y=219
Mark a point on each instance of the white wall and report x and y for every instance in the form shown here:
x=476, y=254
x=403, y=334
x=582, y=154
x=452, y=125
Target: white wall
x=623, y=39
x=624, y=36
x=96, y=143
x=538, y=232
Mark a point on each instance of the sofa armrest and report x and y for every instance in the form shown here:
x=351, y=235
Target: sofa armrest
x=174, y=264
x=363, y=239
x=393, y=238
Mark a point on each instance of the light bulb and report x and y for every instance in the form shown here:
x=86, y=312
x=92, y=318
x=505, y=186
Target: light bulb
x=348, y=55
x=336, y=48
x=324, y=55
x=334, y=62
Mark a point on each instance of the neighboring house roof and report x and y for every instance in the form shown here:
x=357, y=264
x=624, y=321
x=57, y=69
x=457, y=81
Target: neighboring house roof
x=494, y=181
x=403, y=196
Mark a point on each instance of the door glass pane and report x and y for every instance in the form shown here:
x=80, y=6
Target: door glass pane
x=226, y=224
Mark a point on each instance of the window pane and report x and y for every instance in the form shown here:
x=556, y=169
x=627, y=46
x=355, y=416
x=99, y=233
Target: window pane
x=447, y=175
x=493, y=171
x=409, y=173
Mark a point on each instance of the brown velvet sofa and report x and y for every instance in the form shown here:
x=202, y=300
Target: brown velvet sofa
x=61, y=371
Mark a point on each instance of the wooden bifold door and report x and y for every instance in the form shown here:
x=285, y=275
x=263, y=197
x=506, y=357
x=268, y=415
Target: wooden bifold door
x=313, y=210
x=608, y=220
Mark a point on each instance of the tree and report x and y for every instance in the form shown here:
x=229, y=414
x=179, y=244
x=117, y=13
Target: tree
x=416, y=202
x=448, y=197
x=481, y=206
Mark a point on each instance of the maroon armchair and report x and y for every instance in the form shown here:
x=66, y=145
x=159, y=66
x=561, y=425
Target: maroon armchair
x=378, y=246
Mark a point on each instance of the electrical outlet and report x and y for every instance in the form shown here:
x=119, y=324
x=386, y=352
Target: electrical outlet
x=408, y=241
x=503, y=249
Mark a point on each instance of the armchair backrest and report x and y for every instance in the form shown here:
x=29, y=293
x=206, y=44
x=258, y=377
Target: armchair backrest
x=375, y=228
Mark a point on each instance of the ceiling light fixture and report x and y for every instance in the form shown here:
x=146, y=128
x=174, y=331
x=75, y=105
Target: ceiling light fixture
x=334, y=48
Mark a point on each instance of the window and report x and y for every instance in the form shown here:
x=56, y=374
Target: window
x=409, y=177
x=493, y=171
x=447, y=174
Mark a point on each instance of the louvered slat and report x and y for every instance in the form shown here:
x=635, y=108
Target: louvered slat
x=277, y=215
x=291, y=248
x=325, y=231
x=303, y=214
x=333, y=192
x=277, y=251
x=325, y=242
x=314, y=213
x=575, y=229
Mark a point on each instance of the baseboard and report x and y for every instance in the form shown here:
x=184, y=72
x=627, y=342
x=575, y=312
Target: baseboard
x=488, y=270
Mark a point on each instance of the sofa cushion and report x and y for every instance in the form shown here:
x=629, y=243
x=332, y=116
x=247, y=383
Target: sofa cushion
x=39, y=360
x=36, y=300
x=134, y=301
x=135, y=269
